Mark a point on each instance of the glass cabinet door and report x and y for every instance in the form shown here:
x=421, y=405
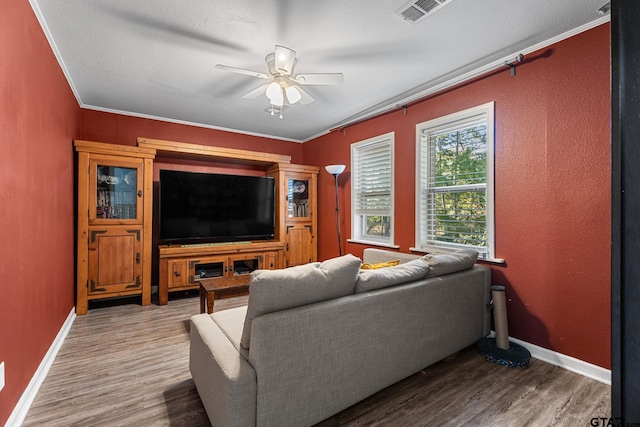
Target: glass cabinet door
x=210, y=269
x=298, y=198
x=115, y=192
x=245, y=265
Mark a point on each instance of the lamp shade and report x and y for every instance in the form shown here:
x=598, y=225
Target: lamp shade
x=293, y=95
x=335, y=169
x=274, y=93
x=272, y=90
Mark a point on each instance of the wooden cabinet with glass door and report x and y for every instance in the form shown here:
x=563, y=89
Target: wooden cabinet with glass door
x=296, y=206
x=114, y=222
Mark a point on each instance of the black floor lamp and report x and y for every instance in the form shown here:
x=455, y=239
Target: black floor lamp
x=336, y=170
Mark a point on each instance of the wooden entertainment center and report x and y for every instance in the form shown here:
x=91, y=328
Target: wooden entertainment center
x=230, y=264
x=115, y=200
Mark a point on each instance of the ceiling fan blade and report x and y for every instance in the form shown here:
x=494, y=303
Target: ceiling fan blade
x=320, y=79
x=242, y=71
x=305, y=98
x=256, y=92
x=284, y=59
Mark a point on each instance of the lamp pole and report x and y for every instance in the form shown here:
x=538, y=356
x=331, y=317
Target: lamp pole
x=338, y=216
x=336, y=170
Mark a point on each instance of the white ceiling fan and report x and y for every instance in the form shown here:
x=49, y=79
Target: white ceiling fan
x=284, y=85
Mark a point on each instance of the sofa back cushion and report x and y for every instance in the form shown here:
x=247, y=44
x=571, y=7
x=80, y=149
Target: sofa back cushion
x=375, y=255
x=450, y=262
x=275, y=290
x=369, y=280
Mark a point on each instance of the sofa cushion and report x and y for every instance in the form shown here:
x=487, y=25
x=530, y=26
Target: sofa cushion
x=275, y=290
x=230, y=323
x=369, y=280
x=451, y=262
x=375, y=266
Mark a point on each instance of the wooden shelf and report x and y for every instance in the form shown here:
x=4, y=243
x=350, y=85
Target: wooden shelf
x=184, y=150
x=296, y=221
x=179, y=251
x=114, y=219
x=178, y=264
x=104, y=148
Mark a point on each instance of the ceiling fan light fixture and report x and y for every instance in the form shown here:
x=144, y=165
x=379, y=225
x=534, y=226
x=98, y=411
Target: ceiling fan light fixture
x=284, y=86
x=277, y=99
x=293, y=95
x=284, y=59
x=278, y=102
x=273, y=90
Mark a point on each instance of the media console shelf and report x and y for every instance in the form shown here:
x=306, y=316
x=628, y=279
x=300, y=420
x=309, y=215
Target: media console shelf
x=181, y=266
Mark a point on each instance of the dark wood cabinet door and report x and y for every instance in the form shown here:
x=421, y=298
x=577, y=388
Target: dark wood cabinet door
x=299, y=241
x=115, y=260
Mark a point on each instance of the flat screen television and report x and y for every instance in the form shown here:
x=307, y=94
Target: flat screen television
x=207, y=208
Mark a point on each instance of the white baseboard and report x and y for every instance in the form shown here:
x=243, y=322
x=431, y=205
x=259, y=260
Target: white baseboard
x=22, y=408
x=569, y=363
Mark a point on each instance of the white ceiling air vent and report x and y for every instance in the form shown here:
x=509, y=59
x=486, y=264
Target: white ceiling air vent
x=415, y=11
x=605, y=8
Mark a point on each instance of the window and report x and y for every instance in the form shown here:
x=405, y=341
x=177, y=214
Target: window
x=454, y=199
x=372, y=190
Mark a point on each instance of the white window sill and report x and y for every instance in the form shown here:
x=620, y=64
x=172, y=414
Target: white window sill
x=493, y=260
x=373, y=243
x=440, y=250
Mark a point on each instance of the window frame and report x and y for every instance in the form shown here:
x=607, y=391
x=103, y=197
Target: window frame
x=357, y=223
x=488, y=111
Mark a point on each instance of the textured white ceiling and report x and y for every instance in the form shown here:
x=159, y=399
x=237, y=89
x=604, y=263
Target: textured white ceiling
x=157, y=58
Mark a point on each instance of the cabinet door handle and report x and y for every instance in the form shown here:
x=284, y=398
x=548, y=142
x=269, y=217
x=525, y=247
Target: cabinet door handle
x=139, y=193
x=176, y=273
x=138, y=258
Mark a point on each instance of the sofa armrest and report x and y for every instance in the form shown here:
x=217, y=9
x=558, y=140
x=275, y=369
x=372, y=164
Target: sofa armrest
x=225, y=381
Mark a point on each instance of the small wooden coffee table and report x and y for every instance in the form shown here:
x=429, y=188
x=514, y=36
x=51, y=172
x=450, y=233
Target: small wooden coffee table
x=213, y=289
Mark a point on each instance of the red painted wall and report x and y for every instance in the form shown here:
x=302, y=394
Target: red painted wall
x=552, y=199
x=552, y=189
x=39, y=117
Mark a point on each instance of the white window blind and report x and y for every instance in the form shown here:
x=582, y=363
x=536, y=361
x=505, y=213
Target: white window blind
x=372, y=189
x=373, y=179
x=455, y=186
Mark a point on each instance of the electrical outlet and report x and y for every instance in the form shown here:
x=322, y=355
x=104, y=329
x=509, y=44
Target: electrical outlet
x=1, y=376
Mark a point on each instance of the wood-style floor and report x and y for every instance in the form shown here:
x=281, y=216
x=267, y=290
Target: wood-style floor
x=127, y=365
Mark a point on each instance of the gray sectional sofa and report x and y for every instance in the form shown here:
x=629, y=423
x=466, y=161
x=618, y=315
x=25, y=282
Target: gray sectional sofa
x=318, y=338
